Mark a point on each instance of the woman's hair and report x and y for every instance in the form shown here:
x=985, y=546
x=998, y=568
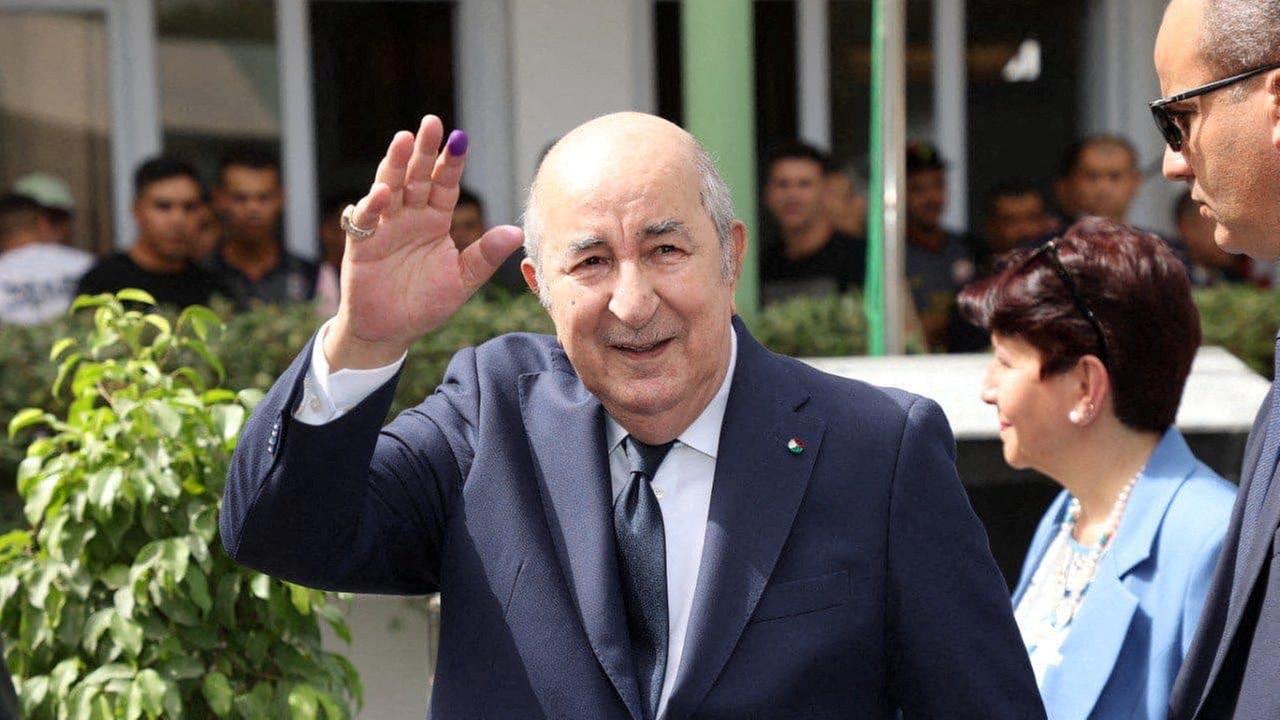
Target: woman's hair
x=1136, y=289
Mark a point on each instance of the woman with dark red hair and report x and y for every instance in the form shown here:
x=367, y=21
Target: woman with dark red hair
x=1094, y=334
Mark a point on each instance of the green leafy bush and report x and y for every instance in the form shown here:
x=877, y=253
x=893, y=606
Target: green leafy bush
x=814, y=327
x=117, y=600
x=1242, y=319
x=25, y=380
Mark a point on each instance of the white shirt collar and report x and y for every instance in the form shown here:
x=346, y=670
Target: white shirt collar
x=704, y=434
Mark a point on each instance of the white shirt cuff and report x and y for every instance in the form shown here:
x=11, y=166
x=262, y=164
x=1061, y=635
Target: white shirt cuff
x=328, y=396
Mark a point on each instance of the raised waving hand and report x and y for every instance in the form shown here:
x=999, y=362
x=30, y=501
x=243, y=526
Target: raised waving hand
x=402, y=275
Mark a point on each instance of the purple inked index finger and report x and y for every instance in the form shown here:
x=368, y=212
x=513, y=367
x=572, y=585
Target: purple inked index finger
x=457, y=142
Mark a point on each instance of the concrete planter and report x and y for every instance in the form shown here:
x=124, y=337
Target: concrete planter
x=393, y=646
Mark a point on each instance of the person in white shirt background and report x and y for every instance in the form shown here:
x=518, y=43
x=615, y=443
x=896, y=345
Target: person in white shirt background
x=38, y=275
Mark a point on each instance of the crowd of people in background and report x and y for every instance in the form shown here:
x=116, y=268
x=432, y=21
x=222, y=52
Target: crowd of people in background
x=816, y=226
x=194, y=242
x=190, y=244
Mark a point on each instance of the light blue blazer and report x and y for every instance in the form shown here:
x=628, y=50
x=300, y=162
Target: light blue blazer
x=1139, y=615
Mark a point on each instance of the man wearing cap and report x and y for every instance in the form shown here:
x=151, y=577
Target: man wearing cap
x=939, y=261
x=53, y=195
x=38, y=275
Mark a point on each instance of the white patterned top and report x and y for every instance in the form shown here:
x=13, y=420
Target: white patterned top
x=1057, y=590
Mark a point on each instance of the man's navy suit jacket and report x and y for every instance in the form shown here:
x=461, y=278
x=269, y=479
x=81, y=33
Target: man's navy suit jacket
x=845, y=581
x=1232, y=666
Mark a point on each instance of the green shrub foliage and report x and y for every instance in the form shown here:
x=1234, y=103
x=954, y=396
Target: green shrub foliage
x=1242, y=319
x=814, y=327
x=117, y=600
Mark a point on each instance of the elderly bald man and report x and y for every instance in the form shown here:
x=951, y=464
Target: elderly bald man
x=646, y=516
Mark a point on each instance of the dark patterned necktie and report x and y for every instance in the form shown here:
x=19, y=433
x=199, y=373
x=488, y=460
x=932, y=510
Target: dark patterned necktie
x=642, y=558
x=1262, y=473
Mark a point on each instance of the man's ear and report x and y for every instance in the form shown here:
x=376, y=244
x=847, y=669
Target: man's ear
x=1273, y=106
x=738, y=246
x=530, y=274
x=737, y=256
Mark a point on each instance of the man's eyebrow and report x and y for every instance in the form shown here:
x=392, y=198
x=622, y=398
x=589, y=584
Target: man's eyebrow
x=666, y=227
x=583, y=245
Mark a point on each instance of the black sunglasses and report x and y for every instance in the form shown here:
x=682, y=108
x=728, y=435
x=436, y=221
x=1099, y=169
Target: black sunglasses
x=1050, y=250
x=1169, y=121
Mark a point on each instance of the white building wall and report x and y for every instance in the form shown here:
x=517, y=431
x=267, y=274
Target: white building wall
x=482, y=62
x=571, y=61
x=393, y=648
x=813, y=72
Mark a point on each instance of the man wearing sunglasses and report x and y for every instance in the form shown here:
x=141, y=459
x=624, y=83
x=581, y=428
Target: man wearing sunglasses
x=1219, y=65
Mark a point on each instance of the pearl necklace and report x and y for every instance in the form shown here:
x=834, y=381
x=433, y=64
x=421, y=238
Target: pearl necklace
x=1079, y=570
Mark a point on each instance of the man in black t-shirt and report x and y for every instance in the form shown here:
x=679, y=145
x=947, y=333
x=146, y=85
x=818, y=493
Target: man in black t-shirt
x=252, y=260
x=166, y=208
x=809, y=256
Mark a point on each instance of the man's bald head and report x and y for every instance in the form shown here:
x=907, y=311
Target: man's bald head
x=639, y=148
x=619, y=141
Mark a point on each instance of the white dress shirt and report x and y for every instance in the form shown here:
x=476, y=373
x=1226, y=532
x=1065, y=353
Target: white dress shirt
x=328, y=396
x=682, y=483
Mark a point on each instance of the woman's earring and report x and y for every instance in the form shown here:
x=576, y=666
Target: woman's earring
x=1074, y=417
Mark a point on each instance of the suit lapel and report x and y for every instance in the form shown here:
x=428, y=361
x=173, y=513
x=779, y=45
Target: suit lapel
x=1259, y=550
x=1225, y=579
x=1103, y=624
x=1169, y=466
x=1099, y=634
x=758, y=487
x=566, y=431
